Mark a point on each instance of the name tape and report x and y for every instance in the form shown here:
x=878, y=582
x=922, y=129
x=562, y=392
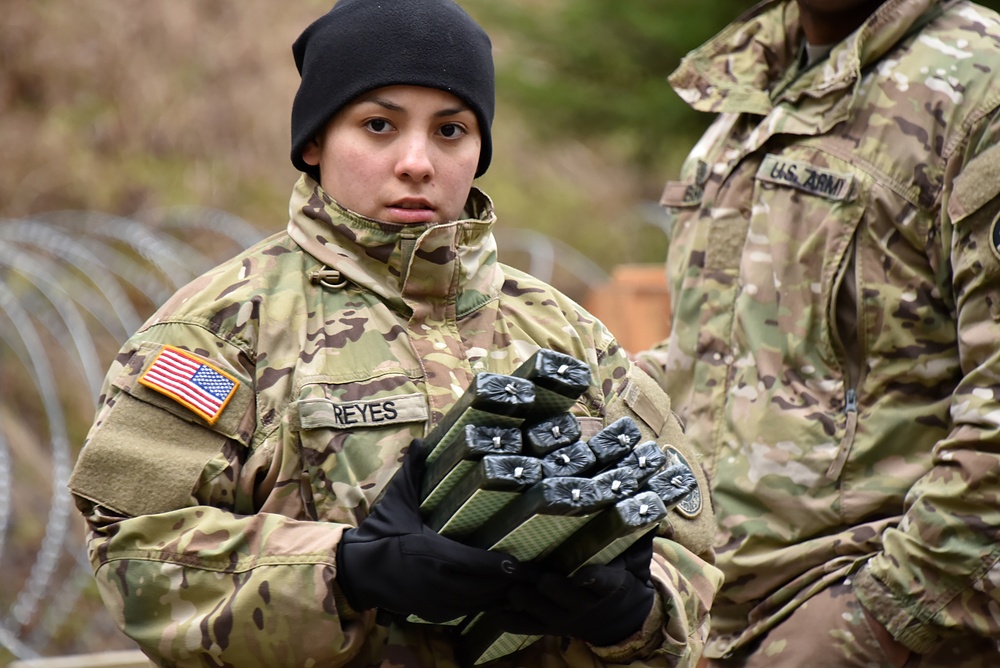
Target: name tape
x=319, y=413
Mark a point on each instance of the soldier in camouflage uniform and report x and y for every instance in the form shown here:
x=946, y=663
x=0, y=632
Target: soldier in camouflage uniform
x=260, y=413
x=835, y=281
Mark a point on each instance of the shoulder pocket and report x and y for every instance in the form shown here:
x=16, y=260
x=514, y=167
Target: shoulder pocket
x=204, y=392
x=148, y=452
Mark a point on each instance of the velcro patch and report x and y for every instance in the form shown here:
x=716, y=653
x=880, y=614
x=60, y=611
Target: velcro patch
x=191, y=382
x=805, y=177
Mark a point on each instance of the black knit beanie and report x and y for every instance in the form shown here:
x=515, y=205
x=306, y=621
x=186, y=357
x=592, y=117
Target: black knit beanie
x=361, y=45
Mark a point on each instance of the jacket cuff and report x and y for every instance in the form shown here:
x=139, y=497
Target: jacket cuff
x=896, y=612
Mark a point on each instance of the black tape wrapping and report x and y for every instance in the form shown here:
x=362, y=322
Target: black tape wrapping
x=646, y=460
x=616, y=484
x=616, y=440
x=476, y=441
x=559, y=379
x=570, y=460
x=550, y=434
x=672, y=483
x=489, y=396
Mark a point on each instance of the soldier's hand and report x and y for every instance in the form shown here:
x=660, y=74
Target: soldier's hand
x=602, y=605
x=393, y=562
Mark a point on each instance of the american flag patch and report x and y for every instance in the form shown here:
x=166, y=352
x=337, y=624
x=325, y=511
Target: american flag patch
x=191, y=382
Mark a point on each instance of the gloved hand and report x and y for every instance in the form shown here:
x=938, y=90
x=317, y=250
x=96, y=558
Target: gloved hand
x=393, y=562
x=602, y=605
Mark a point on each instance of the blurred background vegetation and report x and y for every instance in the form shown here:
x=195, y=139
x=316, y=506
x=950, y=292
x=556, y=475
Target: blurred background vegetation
x=134, y=109
x=129, y=105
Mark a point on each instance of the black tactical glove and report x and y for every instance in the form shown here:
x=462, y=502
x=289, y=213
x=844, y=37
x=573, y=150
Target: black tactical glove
x=395, y=563
x=602, y=605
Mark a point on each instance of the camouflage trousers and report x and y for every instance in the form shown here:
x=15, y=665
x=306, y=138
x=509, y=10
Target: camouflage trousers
x=830, y=631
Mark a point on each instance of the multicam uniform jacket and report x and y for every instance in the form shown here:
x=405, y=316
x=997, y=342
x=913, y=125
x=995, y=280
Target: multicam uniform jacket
x=835, y=352
x=214, y=530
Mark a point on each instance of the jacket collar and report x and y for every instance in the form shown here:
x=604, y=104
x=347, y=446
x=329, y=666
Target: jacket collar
x=752, y=65
x=403, y=264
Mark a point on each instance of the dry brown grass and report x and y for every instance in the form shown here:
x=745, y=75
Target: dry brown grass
x=119, y=106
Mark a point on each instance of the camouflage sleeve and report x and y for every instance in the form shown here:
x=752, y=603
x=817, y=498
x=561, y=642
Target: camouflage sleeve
x=196, y=538
x=202, y=584
x=937, y=576
x=653, y=361
x=685, y=578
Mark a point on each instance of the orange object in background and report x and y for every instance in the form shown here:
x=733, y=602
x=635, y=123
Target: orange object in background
x=634, y=304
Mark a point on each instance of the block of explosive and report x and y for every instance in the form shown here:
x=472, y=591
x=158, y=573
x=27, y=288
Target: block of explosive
x=608, y=534
x=490, y=484
x=540, y=518
x=475, y=442
x=491, y=399
x=559, y=380
x=549, y=434
x=615, y=441
x=571, y=460
x=616, y=484
x=672, y=483
x=646, y=460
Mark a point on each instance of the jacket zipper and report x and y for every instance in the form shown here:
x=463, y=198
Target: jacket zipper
x=851, y=347
x=851, y=410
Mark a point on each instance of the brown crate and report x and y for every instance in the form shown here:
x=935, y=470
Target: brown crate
x=634, y=304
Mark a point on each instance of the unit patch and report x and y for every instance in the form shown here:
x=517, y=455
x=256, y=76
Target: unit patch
x=191, y=382
x=805, y=177
x=690, y=505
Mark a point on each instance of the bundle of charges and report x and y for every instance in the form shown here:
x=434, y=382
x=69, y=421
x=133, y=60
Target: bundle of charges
x=507, y=471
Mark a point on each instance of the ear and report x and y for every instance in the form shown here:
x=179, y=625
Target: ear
x=312, y=152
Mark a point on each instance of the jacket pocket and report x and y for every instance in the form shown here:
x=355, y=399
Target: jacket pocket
x=848, y=336
x=161, y=434
x=352, y=436
x=788, y=359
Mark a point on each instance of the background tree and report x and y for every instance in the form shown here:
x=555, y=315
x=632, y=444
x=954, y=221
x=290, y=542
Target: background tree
x=597, y=69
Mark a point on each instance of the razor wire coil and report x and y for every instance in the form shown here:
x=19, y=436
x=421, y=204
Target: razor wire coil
x=73, y=286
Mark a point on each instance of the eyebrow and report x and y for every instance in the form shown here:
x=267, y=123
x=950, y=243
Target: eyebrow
x=392, y=106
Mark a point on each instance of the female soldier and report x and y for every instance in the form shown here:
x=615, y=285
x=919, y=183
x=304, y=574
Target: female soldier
x=255, y=419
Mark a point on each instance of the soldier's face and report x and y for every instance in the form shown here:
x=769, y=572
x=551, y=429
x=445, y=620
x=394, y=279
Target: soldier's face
x=829, y=21
x=402, y=154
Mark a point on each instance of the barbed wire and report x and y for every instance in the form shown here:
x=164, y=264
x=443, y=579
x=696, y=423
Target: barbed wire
x=73, y=286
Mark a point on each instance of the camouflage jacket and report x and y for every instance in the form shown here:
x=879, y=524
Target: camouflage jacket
x=835, y=282
x=214, y=529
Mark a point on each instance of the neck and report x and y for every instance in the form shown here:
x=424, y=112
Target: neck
x=823, y=26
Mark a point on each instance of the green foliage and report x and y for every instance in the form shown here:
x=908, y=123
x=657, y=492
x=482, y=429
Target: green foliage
x=597, y=69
